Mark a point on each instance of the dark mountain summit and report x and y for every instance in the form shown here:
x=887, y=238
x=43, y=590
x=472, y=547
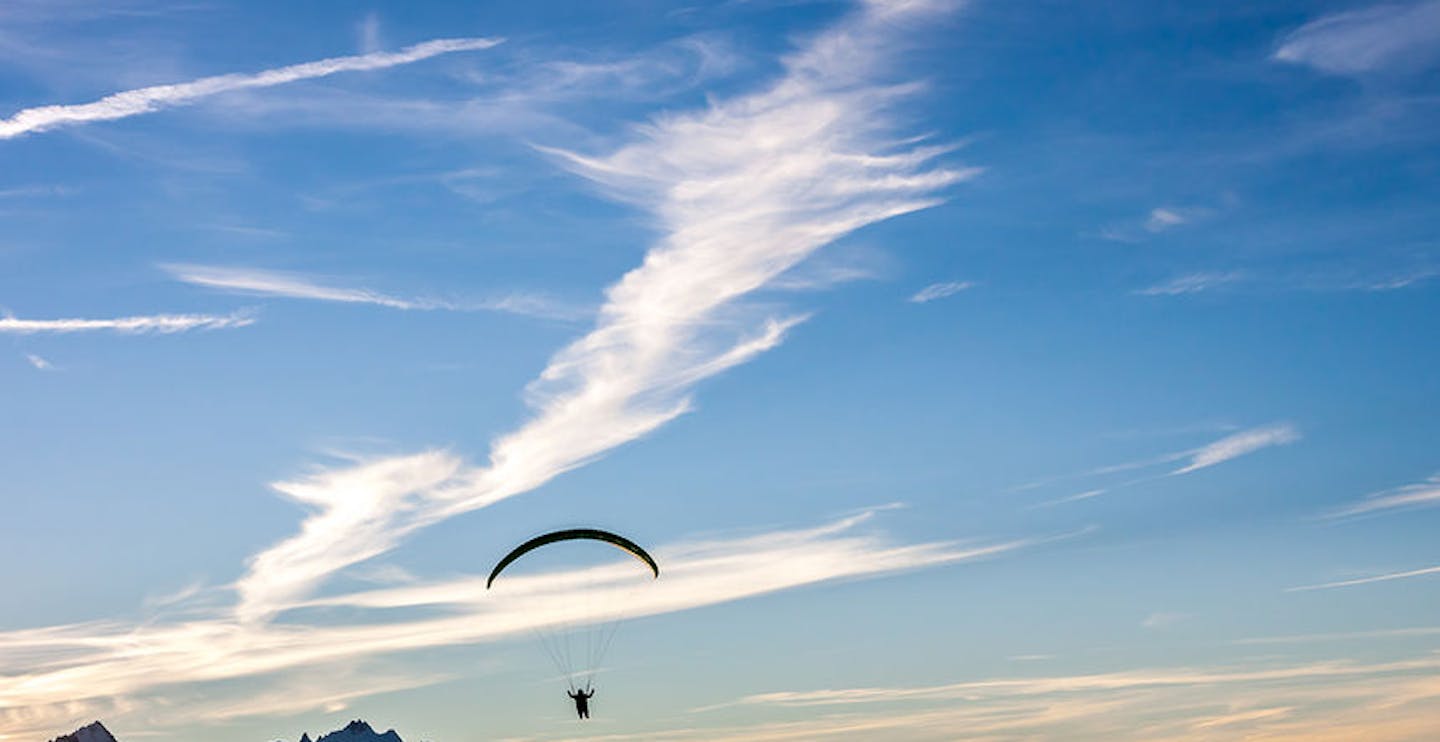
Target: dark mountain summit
x=357, y=731
x=93, y=733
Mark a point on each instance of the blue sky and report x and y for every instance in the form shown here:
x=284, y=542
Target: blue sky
x=975, y=370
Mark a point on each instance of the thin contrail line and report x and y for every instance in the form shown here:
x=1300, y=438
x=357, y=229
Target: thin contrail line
x=146, y=100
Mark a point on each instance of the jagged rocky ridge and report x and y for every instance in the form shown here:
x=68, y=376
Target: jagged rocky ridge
x=356, y=731
x=95, y=732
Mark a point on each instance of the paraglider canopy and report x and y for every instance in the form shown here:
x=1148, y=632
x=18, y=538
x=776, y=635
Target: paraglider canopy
x=571, y=534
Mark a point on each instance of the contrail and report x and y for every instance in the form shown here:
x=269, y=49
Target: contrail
x=164, y=324
x=145, y=100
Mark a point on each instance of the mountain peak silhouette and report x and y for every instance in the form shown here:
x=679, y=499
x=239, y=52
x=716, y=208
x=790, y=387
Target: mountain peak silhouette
x=358, y=731
x=94, y=732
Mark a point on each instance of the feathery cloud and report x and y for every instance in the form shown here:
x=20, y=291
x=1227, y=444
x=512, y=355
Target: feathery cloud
x=35, y=191
x=1400, y=280
x=1220, y=451
x=940, y=291
x=1087, y=494
x=286, y=285
x=1239, y=444
x=279, y=284
x=146, y=100
x=1367, y=40
x=1367, y=580
x=1410, y=495
x=1341, y=636
x=1098, y=681
x=744, y=190
x=1331, y=700
x=1162, y=218
x=368, y=31
x=1192, y=283
x=164, y=324
x=256, y=282
x=38, y=362
x=1159, y=219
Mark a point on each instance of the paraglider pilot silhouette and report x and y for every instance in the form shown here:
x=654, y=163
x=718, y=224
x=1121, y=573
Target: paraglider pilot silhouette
x=581, y=696
x=582, y=701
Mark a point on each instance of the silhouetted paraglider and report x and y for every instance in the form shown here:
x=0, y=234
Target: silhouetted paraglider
x=578, y=638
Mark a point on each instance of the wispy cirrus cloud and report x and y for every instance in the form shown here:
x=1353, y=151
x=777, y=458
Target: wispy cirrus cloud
x=744, y=190
x=287, y=285
x=367, y=32
x=1087, y=494
x=1400, y=280
x=256, y=282
x=1239, y=444
x=1329, y=700
x=1217, y=452
x=940, y=291
x=1385, y=36
x=35, y=191
x=280, y=284
x=525, y=96
x=1165, y=217
x=1342, y=636
x=38, y=362
x=147, y=100
x=1160, y=219
x=1407, y=496
x=1192, y=283
x=163, y=324
x=1367, y=580
x=1098, y=681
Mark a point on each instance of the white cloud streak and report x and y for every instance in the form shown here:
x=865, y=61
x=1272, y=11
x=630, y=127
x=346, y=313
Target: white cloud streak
x=1192, y=283
x=287, y=285
x=1098, y=681
x=1367, y=580
x=147, y=100
x=35, y=191
x=1330, y=700
x=744, y=191
x=940, y=291
x=1087, y=494
x=1162, y=218
x=1411, y=495
x=164, y=324
x=1342, y=636
x=256, y=282
x=1220, y=451
x=1387, y=36
x=38, y=362
x=1239, y=444
x=1400, y=280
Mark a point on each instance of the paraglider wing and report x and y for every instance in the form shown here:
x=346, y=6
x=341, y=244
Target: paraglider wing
x=593, y=534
